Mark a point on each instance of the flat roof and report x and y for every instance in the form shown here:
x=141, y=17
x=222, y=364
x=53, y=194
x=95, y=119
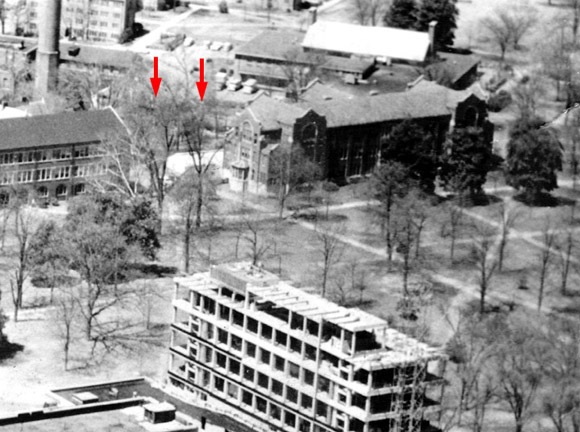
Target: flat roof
x=397, y=346
x=407, y=45
x=159, y=407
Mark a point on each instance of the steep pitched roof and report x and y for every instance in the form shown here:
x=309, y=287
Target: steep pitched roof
x=367, y=41
x=457, y=65
x=59, y=129
x=342, y=109
x=272, y=113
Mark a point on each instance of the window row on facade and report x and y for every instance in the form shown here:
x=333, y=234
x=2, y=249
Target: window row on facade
x=48, y=174
x=297, y=345
x=280, y=413
x=284, y=368
x=45, y=155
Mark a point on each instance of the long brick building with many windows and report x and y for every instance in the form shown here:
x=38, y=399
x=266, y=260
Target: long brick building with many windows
x=95, y=20
x=53, y=156
x=244, y=339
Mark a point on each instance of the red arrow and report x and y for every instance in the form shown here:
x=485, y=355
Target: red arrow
x=155, y=81
x=201, y=84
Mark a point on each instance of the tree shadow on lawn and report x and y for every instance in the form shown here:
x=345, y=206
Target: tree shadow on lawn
x=8, y=350
x=544, y=200
x=479, y=200
x=140, y=270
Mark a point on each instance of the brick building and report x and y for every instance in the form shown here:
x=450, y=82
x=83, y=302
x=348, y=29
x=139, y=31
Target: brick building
x=95, y=20
x=53, y=156
x=341, y=132
x=241, y=338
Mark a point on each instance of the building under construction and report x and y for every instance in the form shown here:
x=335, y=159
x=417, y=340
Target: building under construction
x=242, y=338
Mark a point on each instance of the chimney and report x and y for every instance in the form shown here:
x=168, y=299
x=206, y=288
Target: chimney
x=47, y=56
x=313, y=15
x=432, y=26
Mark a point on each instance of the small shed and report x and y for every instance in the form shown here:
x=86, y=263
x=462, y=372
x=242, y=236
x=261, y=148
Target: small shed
x=159, y=412
x=84, y=398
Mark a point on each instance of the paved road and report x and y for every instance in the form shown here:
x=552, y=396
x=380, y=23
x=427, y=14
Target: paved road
x=153, y=36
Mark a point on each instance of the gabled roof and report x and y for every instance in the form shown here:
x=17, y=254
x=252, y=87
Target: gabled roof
x=367, y=41
x=342, y=109
x=273, y=113
x=274, y=44
x=80, y=127
x=97, y=55
x=456, y=65
x=452, y=97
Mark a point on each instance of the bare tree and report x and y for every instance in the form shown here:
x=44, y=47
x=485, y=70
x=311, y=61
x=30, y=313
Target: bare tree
x=124, y=170
x=156, y=125
x=507, y=219
x=410, y=217
x=389, y=183
x=561, y=403
x=23, y=232
x=522, y=20
x=300, y=68
x=565, y=249
x=472, y=347
x=201, y=149
x=518, y=364
x=185, y=194
x=575, y=6
x=290, y=167
x=527, y=94
x=369, y=12
x=330, y=247
x=498, y=29
x=554, y=52
x=545, y=258
x=66, y=314
x=253, y=233
x=486, y=264
x=452, y=227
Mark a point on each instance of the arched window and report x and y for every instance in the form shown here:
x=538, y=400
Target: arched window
x=79, y=189
x=42, y=192
x=309, y=138
x=61, y=191
x=471, y=116
x=4, y=199
x=247, y=132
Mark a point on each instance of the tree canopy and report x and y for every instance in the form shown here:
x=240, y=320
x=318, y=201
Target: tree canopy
x=413, y=145
x=466, y=160
x=445, y=12
x=135, y=220
x=402, y=14
x=534, y=154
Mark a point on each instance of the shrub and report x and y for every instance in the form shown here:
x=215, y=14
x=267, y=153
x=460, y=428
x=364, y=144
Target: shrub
x=223, y=6
x=329, y=186
x=498, y=101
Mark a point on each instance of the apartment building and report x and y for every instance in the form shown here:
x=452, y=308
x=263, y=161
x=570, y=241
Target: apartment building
x=94, y=20
x=53, y=156
x=243, y=338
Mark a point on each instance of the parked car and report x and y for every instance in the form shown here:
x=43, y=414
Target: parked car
x=250, y=86
x=216, y=46
x=234, y=84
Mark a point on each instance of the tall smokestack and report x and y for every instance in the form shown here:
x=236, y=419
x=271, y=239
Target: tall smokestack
x=47, y=55
x=432, y=30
